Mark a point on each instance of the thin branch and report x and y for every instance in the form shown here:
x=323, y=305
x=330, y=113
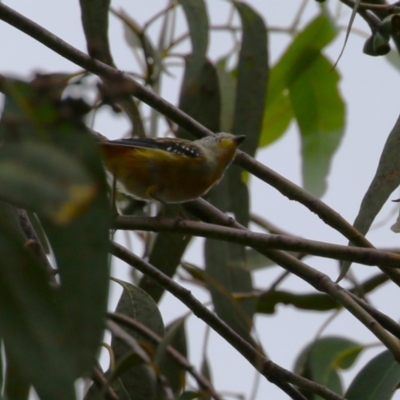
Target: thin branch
x=158, y=15
x=101, y=382
x=254, y=239
x=388, y=323
x=318, y=280
x=269, y=369
x=202, y=381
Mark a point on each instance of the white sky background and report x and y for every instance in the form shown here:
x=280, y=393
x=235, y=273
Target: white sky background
x=369, y=85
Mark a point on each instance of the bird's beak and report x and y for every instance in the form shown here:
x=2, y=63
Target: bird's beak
x=239, y=139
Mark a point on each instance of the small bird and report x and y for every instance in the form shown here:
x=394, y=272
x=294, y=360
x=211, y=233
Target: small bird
x=169, y=170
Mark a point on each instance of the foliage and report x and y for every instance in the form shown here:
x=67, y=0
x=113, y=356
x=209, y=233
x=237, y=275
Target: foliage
x=56, y=219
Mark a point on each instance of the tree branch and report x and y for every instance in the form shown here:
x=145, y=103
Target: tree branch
x=267, y=368
x=253, y=239
x=317, y=279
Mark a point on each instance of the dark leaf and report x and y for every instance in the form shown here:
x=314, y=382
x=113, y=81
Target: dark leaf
x=140, y=380
x=378, y=380
x=175, y=336
x=252, y=78
x=320, y=360
x=385, y=181
x=31, y=323
x=34, y=118
x=166, y=255
x=197, y=19
x=95, y=26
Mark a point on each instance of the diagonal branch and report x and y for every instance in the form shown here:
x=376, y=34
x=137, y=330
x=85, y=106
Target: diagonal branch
x=318, y=280
x=273, y=372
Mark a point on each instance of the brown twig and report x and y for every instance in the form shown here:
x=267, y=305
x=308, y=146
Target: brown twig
x=254, y=239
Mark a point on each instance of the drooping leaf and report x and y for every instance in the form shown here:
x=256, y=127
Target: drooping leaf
x=315, y=301
x=227, y=88
x=252, y=78
x=302, y=86
x=319, y=360
x=232, y=193
x=139, y=381
x=60, y=189
x=200, y=96
x=319, y=111
x=31, y=323
x=277, y=116
x=385, y=181
x=197, y=19
x=16, y=385
x=137, y=304
x=268, y=301
x=378, y=380
x=166, y=254
x=35, y=117
x=175, y=336
x=95, y=25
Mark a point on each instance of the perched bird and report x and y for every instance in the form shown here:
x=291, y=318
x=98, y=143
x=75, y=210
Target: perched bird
x=169, y=170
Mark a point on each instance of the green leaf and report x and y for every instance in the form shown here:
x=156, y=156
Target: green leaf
x=301, y=54
x=137, y=304
x=318, y=302
x=34, y=341
x=34, y=117
x=140, y=380
x=200, y=95
x=222, y=279
x=252, y=78
x=378, y=380
x=385, y=181
x=232, y=193
x=268, y=301
x=197, y=19
x=320, y=114
x=16, y=386
x=320, y=360
x=166, y=255
x=227, y=88
x=95, y=25
x=59, y=187
x=175, y=336
x=277, y=117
